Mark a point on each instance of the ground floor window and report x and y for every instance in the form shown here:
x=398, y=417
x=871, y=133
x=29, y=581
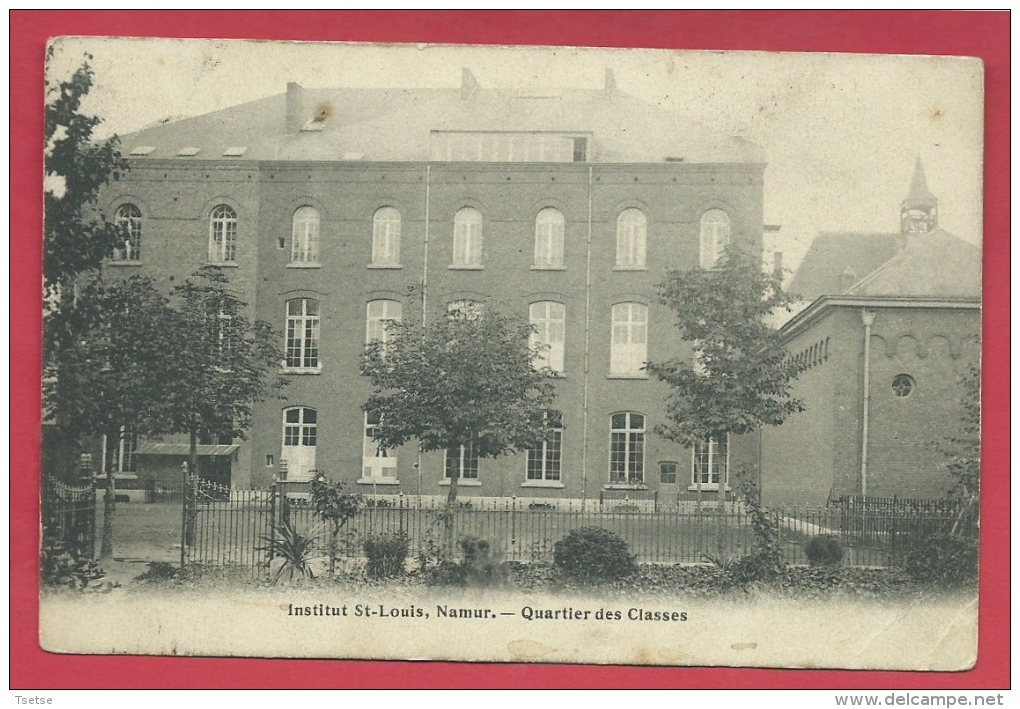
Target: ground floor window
x=462, y=460
x=377, y=462
x=627, y=448
x=711, y=461
x=545, y=458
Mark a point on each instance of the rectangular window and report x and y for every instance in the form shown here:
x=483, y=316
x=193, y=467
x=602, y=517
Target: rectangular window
x=464, y=460
x=629, y=346
x=381, y=312
x=627, y=448
x=667, y=472
x=302, y=334
x=549, y=321
x=711, y=462
x=545, y=458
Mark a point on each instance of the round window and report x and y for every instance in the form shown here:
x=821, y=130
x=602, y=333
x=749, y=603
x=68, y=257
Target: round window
x=902, y=385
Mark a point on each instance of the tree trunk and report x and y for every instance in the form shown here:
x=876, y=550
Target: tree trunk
x=109, y=506
x=190, y=498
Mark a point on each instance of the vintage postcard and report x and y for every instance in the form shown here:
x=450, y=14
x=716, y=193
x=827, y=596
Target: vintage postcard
x=511, y=354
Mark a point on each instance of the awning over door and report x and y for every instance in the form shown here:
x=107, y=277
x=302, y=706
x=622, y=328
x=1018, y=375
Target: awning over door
x=184, y=449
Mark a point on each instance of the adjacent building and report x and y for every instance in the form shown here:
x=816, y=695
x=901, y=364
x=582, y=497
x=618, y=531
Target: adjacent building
x=893, y=323
x=336, y=210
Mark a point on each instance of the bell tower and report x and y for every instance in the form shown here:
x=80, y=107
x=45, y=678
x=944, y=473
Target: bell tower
x=919, y=211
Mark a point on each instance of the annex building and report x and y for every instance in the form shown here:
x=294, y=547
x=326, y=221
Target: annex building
x=335, y=210
x=894, y=320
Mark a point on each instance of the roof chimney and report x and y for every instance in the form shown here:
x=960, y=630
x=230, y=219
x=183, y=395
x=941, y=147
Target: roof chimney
x=610, y=86
x=467, y=84
x=294, y=112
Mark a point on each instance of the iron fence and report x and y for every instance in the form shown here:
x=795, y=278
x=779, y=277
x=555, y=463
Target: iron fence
x=69, y=516
x=233, y=528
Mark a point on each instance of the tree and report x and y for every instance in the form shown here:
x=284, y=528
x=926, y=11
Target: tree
x=740, y=376
x=76, y=236
x=963, y=455
x=221, y=363
x=109, y=379
x=467, y=379
x=335, y=506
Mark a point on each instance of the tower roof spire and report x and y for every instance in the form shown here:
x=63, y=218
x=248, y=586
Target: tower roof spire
x=919, y=191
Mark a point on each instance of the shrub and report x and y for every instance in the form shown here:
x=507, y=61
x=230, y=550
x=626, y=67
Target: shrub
x=943, y=560
x=592, y=555
x=386, y=555
x=476, y=568
x=63, y=567
x=159, y=572
x=824, y=550
x=293, y=549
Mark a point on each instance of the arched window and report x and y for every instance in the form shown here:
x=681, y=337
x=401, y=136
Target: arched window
x=129, y=222
x=549, y=238
x=304, y=244
x=627, y=448
x=386, y=237
x=300, y=438
x=711, y=462
x=629, y=344
x=381, y=312
x=467, y=238
x=715, y=236
x=545, y=458
x=222, y=234
x=549, y=321
x=303, y=334
x=631, y=227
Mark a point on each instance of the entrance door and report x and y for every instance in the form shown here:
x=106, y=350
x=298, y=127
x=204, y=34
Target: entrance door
x=299, y=434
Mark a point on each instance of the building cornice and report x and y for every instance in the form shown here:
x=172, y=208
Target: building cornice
x=821, y=307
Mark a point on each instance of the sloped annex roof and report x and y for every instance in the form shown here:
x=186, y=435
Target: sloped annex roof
x=396, y=125
x=833, y=254
x=936, y=264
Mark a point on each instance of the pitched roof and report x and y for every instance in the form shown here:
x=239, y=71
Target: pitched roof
x=396, y=125
x=833, y=254
x=932, y=264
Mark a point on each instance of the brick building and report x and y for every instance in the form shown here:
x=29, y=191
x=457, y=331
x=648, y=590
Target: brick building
x=336, y=210
x=885, y=344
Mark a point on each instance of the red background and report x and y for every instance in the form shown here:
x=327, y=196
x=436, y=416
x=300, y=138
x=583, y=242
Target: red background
x=981, y=34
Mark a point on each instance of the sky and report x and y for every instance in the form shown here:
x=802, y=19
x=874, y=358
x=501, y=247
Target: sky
x=840, y=132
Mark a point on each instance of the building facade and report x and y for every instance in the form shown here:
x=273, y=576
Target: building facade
x=334, y=211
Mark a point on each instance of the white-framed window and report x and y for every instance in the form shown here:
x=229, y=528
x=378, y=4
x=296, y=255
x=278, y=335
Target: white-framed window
x=631, y=232
x=549, y=226
x=549, y=320
x=300, y=438
x=128, y=220
x=467, y=238
x=711, y=462
x=627, y=448
x=377, y=462
x=715, y=236
x=222, y=234
x=386, y=237
x=469, y=309
x=304, y=243
x=629, y=343
x=302, y=334
x=545, y=459
x=462, y=460
x=667, y=472
x=379, y=312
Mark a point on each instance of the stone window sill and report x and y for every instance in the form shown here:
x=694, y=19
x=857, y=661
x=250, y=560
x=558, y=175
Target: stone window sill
x=708, y=487
x=125, y=263
x=223, y=264
x=627, y=376
x=630, y=268
x=461, y=483
x=624, y=486
x=298, y=370
x=456, y=267
x=385, y=266
x=556, y=484
x=304, y=264
x=378, y=481
x=548, y=268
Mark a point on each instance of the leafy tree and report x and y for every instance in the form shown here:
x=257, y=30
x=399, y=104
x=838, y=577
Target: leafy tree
x=464, y=380
x=335, y=506
x=76, y=236
x=963, y=454
x=110, y=378
x=740, y=377
x=220, y=364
